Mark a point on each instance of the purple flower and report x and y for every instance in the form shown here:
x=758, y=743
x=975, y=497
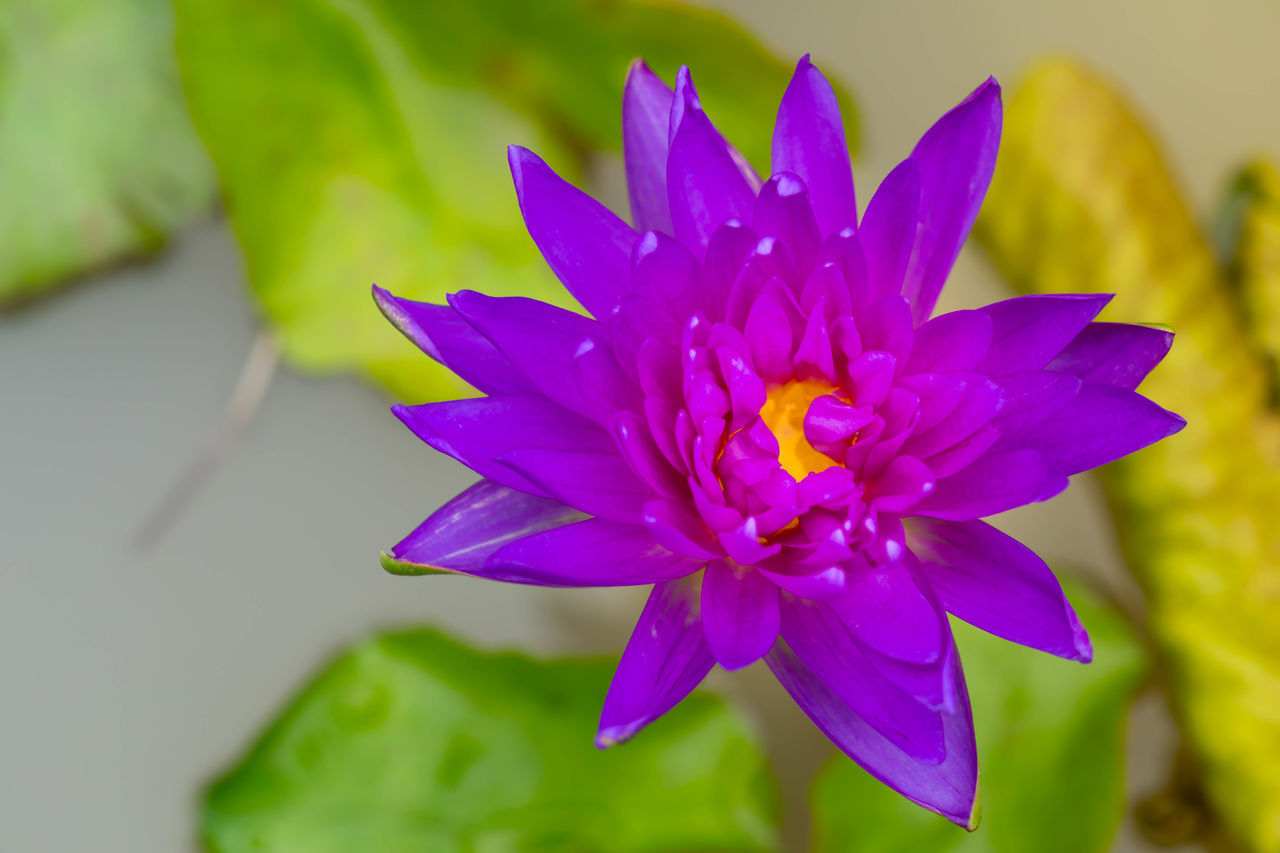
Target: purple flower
x=761, y=419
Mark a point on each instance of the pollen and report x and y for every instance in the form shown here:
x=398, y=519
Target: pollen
x=783, y=413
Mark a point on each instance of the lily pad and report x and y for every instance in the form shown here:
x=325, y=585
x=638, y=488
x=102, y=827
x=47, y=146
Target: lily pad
x=98, y=159
x=365, y=142
x=412, y=741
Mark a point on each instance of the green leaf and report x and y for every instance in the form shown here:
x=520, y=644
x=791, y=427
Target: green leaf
x=98, y=160
x=1083, y=200
x=412, y=742
x=1050, y=747
x=365, y=141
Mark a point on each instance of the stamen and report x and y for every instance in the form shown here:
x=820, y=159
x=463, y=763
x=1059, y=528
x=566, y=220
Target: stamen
x=783, y=413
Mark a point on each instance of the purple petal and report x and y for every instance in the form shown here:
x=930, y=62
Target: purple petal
x=994, y=483
x=594, y=552
x=663, y=270
x=1119, y=354
x=1028, y=331
x=646, y=114
x=727, y=250
x=899, y=618
x=462, y=534
x=680, y=531
x=844, y=249
x=959, y=456
x=888, y=230
x=996, y=583
x=808, y=139
x=739, y=614
x=476, y=432
x=981, y=401
x=948, y=788
x=782, y=212
x=822, y=641
x=952, y=342
x=1033, y=396
x=901, y=485
x=585, y=244
x=1102, y=423
x=822, y=584
x=541, y=341
x=597, y=483
x=446, y=337
x=830, y=419
x=956, y=158
x=666, y=658
x=886, y=325
x=769, y=332
x=705, y=184
x=642, y=453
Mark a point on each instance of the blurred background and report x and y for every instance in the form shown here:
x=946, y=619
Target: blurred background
x=198, y=467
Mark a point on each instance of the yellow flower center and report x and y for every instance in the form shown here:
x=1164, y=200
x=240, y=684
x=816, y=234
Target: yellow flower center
x=783, y=413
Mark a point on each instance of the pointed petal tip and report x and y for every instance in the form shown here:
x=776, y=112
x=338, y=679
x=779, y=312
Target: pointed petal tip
x=394, y=565
x=387, y=303
x=611, y=736
x=975, y=812
x=1084, y=647
x=685, y=89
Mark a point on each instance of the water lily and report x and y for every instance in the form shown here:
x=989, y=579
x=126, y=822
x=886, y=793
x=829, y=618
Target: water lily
x=762, y=419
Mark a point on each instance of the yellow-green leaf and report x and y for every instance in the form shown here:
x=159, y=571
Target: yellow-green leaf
x=1253, y=256
x=363, y=142
x=414, y=742
x=98, y=160
x=1082, y=200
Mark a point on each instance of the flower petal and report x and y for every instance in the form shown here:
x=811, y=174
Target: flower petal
x=949, y=788
x=782, y=212
x=1102, y=423
x=823, y=642
x=542, y=342
x=996, y=583
x=597, y=483
x=663, y=270
x=994, y=483
x=1119, y=354
x=888, y=230
x=900, y=620
x=1028, y=331
x=646, y=115
x=808, y=139
x=956, y=158
x=594, y=552
x=739, y=614
x=478, y=431
x=705, y=184
x=951, y=342
x=441, y=333
x=462, y=534
x=585, y=244
x=666, y=658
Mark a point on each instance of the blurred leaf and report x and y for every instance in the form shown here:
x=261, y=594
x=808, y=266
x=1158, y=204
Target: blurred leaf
x=1083, y=201
x=361, y=142
x=98, y=161
x=412, y=742
x=1251, y=248
x=1050, y=749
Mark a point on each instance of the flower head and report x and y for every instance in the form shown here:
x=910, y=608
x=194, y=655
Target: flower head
x=762, y=419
